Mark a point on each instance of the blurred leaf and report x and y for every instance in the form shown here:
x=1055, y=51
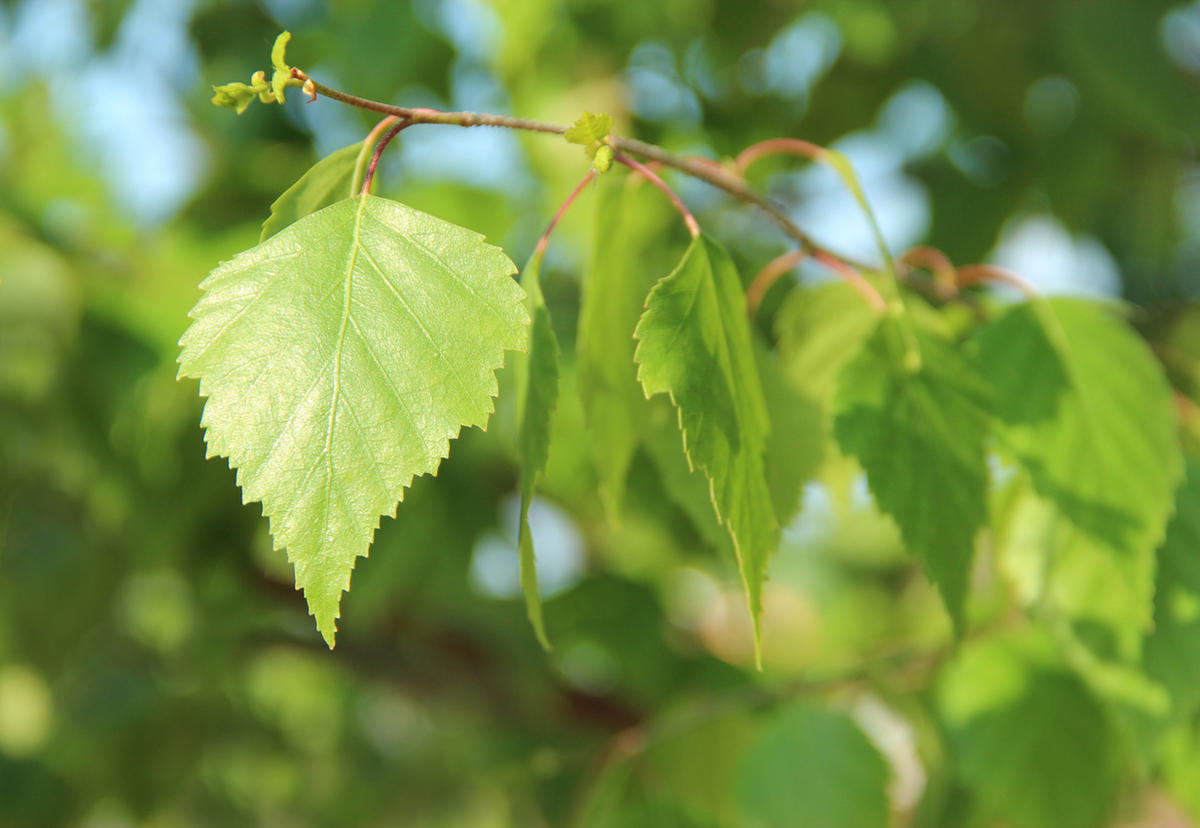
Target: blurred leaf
x=796, y=444
x=694, y=344
x=1085, y=409
x=631, y=224
x=329, y=409
x=919, y=437
x=1026, y=736
x=812, y=767
x=819, y=330
x=537, y=396
x=324, y=183
x=1172, y=650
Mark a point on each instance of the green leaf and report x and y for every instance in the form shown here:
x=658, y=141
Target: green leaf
x=811, y=767
x=796, y=444
x=819, y=329
x=919, y=437
x=588, y=129
x=1085, y=409
x=1026, y=736
x=325, y=182
x=537, y=396
x=339, y=357
x=631, y=250
x=694, y=343
x=1172, y=651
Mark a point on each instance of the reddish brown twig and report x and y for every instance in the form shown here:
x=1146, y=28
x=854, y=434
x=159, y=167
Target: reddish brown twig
x=562, y=211
x=776, y=146
x=379, y=148
x=937, y=263
x=769, y=275
x=852, y=277
x=975, y=274
x=693, y=226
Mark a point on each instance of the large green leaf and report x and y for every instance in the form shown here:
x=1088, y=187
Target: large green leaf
x=324, y=183
x=917, y=430
x=1085, y=409
x=630, y=253
x=812, y=767
x=537, y=396
x=694, y=343
x=339, y=357
x=1026, y=737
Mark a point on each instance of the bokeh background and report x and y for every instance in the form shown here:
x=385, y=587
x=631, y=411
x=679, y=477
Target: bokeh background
x=157, y=667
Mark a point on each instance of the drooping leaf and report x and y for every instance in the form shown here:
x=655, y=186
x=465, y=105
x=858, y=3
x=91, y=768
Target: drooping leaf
x=537, y=396
x=631, y=251
x=1085, y=409
x=685, y=486
x=339, y=357
x=324, y=183
x=918, y=432
x=694, y=343
x=1026, y=737
x=812, y=767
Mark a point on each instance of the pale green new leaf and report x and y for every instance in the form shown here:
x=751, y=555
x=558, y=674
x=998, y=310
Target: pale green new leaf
x=339, y=357
x=537, y=396
x=919, y=437
x=631, y=251
x=694, y=343
x=1085, y=409
x=589, y=128
x=324, y=183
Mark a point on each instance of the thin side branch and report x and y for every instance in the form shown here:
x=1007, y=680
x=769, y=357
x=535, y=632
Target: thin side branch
x=852, y=277
x=693, y=226
x=379, y=148
x=364, y=155
x=769, y=275
x=562, y=211
x=776, y=146
x=974, y=274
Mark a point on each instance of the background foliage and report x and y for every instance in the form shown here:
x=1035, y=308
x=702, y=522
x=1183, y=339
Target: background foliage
x=157, y=666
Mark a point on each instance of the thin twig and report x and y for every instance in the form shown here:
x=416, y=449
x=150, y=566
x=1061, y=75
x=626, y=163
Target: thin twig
x=364, y=155
x=693, y=226
x=769, y=275
x=562, y=211
x=937, y=263
x=776, y=146
x=379, y=148
x=703, y=169
x=974, y=274
x=852, y=277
